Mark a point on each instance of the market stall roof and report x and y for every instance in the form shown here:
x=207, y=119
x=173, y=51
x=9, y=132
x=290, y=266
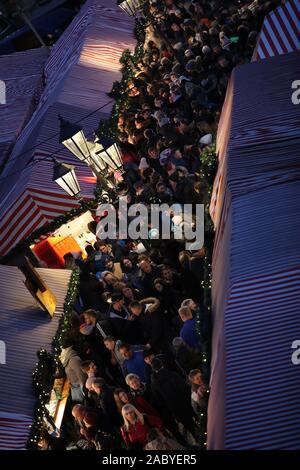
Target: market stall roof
x=79, y=73
x=280, y=32
x=22, y=75
x=25, y=329
x=256, y=262
x=35, y=199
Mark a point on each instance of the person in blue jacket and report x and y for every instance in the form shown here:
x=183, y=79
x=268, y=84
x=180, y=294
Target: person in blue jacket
x=188, y=331
x=133, y=360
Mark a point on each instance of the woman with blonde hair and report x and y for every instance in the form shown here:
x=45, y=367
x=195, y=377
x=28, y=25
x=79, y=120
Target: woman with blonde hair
x=137, y=426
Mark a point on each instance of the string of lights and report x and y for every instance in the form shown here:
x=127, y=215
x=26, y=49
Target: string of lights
x=43, y=375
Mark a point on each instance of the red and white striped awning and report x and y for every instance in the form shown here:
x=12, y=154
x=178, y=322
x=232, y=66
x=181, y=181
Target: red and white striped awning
x=280, y=33
x=13, y=431
x=32, y=204
x=79, y=73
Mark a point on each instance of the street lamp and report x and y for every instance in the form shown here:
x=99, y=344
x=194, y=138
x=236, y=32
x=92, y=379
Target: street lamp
x=110, y=153
x=131, y=7
x=64, y=175
x=97, y=162
x=73, y=138
x=98, y=155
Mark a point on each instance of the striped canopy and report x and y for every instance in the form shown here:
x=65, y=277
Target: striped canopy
x=80, y=71
x=280, y=33
x=22, y=75
x=256, y=262
x=25, y=329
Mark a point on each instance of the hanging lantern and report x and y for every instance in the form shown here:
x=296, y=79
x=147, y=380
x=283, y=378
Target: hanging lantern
x=73, y=138
x=110, y=153
x=131, y=7
x=64, y=175
x=96, y=161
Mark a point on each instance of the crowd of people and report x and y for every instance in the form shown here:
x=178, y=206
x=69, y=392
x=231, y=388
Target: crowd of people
x=177, y=91
x=137, y=353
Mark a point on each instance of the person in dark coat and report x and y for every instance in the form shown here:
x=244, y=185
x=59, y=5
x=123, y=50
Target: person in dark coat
x=149, y=274
x=170, y=301
x=93, y=330
x=102, y=440
x=191, y=281
x=168, y=362
x=90, y=290
x=131, y=272
x=173, y=392
x=172, y=278
x=100, y=329
x=158, y=333
x=186, y=357
x=105, y=396
x=121, y=321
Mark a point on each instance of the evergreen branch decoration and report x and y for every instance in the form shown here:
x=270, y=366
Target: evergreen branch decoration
x=65, y=325
x=43, y=375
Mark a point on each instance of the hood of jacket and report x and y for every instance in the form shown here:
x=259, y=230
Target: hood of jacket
x=66, y=355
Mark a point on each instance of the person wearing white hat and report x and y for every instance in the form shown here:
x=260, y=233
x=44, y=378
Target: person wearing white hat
x=206, y=139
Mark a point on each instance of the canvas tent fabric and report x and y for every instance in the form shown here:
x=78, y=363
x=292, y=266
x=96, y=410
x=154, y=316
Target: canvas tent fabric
x=25, y=329
x=280, y=32
x=79, y=73
x=22, y=75
x=256, y=262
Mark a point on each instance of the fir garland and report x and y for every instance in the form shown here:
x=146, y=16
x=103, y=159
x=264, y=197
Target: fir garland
x=42, y=379
x=109, y=127
x=43, y=376
x=65, y=321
